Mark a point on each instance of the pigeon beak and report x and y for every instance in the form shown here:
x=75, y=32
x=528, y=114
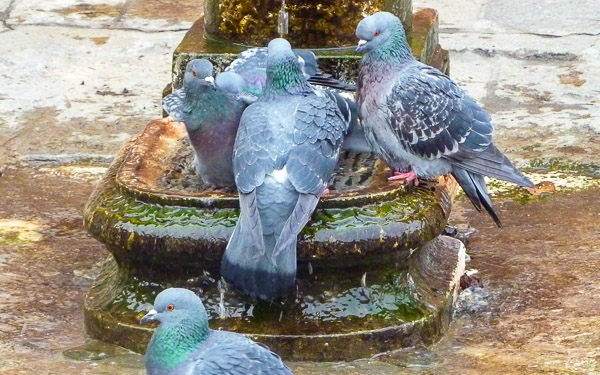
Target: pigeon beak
x=361, y=45
x=149, y=317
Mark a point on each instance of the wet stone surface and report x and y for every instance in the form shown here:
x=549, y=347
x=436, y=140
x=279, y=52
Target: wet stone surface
x=531, y=317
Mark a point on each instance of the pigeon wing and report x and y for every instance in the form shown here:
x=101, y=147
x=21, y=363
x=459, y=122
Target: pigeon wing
x=256, y=152
x=319, y=130
x=434, y=118
x=239, y=357
x=174, y=105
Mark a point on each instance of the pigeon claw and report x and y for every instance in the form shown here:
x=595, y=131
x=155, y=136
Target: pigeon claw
x=407, y=177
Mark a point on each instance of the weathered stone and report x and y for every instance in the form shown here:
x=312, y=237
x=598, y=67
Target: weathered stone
x=354, y=280
x=251, y=23
x=152, y=230
x=357, y=325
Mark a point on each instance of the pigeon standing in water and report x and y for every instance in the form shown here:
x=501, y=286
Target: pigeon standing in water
x=183, y=343
x=211, y=116
x=413, y=114
x=286, y=149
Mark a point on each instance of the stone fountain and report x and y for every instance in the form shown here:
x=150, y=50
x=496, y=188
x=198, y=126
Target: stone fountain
x=374, y=273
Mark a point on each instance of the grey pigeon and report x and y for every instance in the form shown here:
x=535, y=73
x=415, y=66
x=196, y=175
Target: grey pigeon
x=414, y=114
x=286, y=149
x=184, y=344
x=252, y=65
x=211, y=116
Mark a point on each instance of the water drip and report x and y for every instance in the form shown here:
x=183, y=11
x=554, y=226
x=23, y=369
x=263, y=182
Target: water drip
x=282, y=25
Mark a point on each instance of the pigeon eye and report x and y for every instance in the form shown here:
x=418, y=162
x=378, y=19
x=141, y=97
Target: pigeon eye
x=170, y=307
x=377, y=33
x=195, y=75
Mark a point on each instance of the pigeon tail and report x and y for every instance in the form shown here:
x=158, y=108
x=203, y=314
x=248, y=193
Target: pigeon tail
x=491, y=163
x=250, y=269
x=475, y=189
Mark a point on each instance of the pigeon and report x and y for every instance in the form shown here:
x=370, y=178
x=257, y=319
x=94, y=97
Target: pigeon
x=211, y=109
x=251, y=69
x=285, y=152
x=414, y=115
x=211, y=116
x=184, y=344
x=252, y=65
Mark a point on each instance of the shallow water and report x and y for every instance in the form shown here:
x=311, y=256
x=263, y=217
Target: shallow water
x=537, y=312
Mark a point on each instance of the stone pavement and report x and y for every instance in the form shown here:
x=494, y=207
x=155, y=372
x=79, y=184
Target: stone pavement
x=78, y=78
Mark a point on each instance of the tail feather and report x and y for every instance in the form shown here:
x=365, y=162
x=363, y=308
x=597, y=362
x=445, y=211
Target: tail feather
x=327, y=80
x=475, y=189
x=490, y=163
x=265, y=267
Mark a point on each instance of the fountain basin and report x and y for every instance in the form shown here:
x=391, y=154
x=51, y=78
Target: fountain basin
x=374, y=274
x=389, y=310
x=357, y=275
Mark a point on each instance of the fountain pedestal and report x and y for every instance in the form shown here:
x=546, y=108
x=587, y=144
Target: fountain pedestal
x=374, y=274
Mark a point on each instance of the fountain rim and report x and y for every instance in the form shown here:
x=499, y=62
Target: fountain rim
x=163, y=133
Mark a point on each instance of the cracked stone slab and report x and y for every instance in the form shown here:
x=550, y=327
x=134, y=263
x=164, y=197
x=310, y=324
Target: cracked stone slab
x=86, y=92
x=151, y=15
x=91, y=14
x=539, y=108
x=549, y=17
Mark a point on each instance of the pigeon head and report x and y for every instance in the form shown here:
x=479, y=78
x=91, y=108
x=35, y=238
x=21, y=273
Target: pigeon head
x=377, y=29
x=198, y=72
x=174, y=305
x=284, y=71
x=230, y=82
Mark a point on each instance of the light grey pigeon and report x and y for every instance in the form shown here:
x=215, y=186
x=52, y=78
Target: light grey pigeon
x=211, y=116
x=183, y=344
x=286, y=149
x=413, y=114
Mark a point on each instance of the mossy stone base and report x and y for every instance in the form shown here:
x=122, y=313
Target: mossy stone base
x=157, y=232
x=350, y=316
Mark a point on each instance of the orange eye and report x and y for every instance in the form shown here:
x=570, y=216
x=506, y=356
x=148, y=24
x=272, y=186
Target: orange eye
x=194, y=73
x=377, y=33
x=170, y=307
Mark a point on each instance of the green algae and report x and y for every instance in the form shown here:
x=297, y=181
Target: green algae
x=566, y=166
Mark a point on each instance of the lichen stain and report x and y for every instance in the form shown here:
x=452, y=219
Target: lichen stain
x=572, y=78
x=91, y=10
x=99, y=40
x=14, y=231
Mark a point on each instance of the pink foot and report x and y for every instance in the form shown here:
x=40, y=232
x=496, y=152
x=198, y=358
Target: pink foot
x=408, y=177
x=326, y=192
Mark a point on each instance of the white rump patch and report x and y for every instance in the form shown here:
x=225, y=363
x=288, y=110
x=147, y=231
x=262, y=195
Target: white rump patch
x=280, y=175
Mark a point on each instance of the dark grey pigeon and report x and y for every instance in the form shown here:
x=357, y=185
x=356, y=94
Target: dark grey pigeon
x=286, y=149
x=184, y=345
x=413, y=114
x=211, y=116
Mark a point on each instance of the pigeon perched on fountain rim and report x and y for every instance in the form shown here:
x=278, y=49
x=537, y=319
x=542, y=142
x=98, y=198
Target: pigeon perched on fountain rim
x=211, y=115
x=414, y=114
x=286, y=150
x=184, y=344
